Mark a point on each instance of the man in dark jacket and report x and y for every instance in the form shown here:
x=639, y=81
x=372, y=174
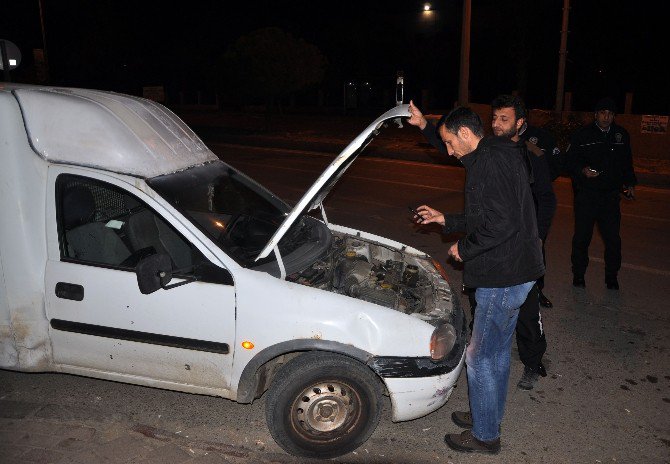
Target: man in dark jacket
x=509, y=117
x=502, y=256
x=601, y=164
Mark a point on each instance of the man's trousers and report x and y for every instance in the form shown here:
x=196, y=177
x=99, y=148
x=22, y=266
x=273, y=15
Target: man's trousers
x=602, y=208
x=530, y=338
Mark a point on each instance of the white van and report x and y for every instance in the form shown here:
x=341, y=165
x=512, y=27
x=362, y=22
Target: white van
x=130, y=252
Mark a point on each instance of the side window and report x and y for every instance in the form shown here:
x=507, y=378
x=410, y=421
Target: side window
x=101, y=224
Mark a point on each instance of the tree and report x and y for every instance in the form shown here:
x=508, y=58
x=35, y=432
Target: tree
x=269, y=64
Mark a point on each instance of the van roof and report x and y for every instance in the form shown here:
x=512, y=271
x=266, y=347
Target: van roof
x=107, y=130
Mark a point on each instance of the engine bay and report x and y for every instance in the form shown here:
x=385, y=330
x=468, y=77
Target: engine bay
x=380, y=274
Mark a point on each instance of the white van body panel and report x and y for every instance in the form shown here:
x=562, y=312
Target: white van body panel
x=24, y=337
x=108, y=131
x=198, y=311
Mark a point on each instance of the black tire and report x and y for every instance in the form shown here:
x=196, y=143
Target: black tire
x=323, y=405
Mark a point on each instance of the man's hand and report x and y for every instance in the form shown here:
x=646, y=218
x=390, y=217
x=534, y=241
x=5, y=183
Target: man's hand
x=417, y=118
x=428, y=215
x=590, y=173
x=453, y=252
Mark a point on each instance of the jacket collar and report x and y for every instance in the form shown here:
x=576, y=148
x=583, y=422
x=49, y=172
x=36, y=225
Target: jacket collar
x=485, y=144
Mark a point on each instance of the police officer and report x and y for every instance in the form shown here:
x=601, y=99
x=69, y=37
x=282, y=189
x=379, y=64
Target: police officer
x=600, y=162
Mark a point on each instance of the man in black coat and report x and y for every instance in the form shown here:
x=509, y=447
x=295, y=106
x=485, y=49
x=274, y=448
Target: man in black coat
x=509, y=117
x=502, y=258
x=600, y=162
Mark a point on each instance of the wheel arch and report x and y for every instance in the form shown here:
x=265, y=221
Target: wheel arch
x=258, y=372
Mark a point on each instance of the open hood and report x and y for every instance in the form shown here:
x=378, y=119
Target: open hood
x=314, y=197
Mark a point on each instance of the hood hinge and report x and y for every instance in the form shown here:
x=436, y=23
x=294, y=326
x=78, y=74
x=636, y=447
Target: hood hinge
x=282, y=269
x=323, y=213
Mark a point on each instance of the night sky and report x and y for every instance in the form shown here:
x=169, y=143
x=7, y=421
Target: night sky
x=123, y=45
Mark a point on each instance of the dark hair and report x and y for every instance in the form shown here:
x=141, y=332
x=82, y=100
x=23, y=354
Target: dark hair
x=510, y=101
x=462, y=117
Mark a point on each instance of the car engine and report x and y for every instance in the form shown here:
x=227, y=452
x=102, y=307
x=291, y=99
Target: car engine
x=379, y=274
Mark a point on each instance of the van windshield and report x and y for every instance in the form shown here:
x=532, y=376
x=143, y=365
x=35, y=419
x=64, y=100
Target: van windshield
x=233, y=210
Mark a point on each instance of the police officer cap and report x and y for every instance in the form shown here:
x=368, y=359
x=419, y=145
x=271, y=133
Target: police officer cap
x=606, y=104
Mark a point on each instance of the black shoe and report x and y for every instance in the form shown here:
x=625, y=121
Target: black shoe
x=544, y=301
x=578, y=282
x=464, y=441
x=462, y=418
x=530, y=376
x=612, y=283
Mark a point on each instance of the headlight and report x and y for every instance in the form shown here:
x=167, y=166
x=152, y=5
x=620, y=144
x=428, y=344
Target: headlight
x=442, y=341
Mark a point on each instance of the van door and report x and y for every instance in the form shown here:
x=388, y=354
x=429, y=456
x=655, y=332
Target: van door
x=100, y=323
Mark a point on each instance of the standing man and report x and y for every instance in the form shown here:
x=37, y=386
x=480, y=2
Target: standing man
x=601, y=164
x=509, y=118
x=502, y=258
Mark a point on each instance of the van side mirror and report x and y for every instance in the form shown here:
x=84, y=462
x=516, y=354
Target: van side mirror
x=153, y=272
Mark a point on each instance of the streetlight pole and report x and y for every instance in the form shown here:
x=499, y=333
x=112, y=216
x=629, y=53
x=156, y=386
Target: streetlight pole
x=562, y=54
x=463, y=83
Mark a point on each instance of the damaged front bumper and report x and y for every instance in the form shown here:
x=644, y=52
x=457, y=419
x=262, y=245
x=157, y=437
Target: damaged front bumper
x=418, y=386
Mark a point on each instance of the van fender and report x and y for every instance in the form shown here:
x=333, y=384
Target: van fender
x=247, y=389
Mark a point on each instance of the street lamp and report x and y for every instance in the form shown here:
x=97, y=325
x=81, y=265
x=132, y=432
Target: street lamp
x=428, y=17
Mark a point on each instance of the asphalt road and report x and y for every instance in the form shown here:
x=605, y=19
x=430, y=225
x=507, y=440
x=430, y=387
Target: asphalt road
x=607, y=396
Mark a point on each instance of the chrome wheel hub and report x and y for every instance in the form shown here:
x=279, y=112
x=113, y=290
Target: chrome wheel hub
x=323, y=407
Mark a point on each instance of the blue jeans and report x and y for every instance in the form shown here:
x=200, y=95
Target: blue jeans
x=488, y=355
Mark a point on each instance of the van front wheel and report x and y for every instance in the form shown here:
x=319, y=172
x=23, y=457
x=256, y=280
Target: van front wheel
x=323, y=405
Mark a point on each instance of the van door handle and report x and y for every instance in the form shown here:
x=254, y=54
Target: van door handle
x=69, y=291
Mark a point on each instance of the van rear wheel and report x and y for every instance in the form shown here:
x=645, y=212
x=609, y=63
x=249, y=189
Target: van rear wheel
x=323, y=405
